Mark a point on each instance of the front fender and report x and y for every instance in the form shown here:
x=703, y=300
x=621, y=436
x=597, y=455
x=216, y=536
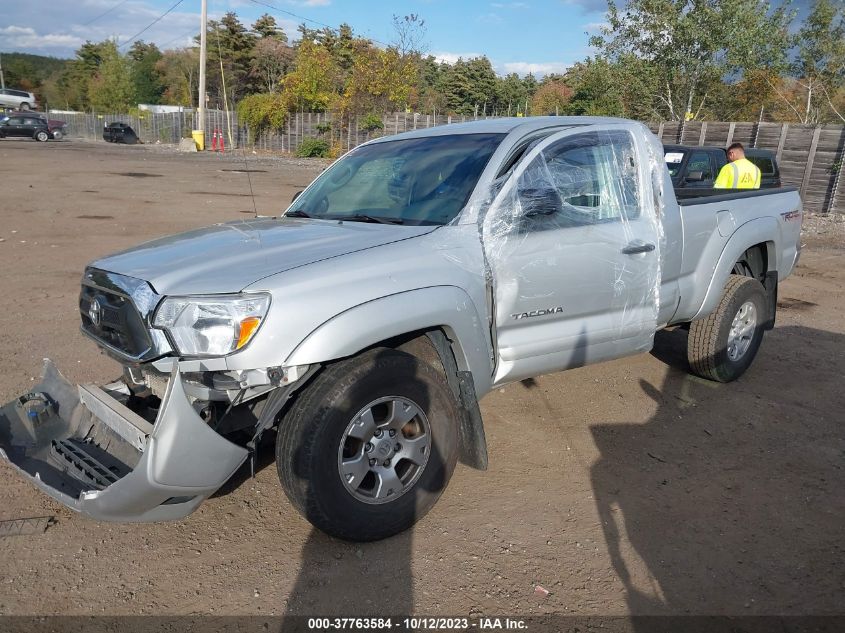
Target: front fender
x=369, y=323
x=761, y=230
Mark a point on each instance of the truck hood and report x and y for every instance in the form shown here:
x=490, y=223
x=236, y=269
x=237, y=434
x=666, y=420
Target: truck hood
x=228, y=257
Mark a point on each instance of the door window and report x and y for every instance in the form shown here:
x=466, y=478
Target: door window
x=700, y=161
x=585, y=179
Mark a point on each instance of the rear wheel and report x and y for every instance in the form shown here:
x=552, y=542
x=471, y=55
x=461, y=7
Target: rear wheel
x=370, y=445
x=57, y=135
x=722, y=346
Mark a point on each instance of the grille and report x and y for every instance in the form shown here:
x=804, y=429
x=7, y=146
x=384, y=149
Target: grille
x=116, y=322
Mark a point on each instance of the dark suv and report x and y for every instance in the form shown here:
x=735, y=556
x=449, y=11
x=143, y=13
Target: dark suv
x=25, y=126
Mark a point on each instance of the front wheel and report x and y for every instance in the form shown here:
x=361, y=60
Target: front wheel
x=41, y=136
x=57, y=135
x=369, y=446
x=723, y=345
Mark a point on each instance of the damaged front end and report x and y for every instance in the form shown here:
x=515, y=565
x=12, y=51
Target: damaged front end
x=85, y=446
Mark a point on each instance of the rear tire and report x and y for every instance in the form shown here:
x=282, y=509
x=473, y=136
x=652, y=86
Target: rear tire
x=369, y=446
x=722, y=346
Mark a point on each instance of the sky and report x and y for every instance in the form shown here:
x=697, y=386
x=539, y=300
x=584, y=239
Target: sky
x=539, y=36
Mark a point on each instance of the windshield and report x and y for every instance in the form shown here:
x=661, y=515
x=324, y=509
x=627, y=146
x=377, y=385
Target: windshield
x=674, y=159
x=424, y=180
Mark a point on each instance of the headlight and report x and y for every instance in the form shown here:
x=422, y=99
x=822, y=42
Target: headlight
x=213, y=325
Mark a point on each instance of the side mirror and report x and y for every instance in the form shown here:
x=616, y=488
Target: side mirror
x=695, y=176
x=296, y=195
x=541, y=201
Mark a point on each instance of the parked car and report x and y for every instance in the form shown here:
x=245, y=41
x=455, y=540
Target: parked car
x=694, y=168
x=20, y=99
x=119, y=133
x=415, y=275
x=55, y=126
x=26, y=126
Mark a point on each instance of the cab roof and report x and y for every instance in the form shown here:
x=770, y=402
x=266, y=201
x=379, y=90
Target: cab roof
x=504, y=125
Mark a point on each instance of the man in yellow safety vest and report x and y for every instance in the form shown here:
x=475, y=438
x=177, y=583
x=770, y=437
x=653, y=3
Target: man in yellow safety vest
x=739, y=173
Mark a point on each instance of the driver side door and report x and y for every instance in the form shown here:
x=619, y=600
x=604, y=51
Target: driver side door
x=571, y=243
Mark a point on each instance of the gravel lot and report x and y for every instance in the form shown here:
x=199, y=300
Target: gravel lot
x=624, y=488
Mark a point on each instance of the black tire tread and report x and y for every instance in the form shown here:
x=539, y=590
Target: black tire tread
x=313, y=404
x=703, y=343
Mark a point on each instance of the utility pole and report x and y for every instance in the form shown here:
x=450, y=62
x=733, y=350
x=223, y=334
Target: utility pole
x=200, y=125
x=2, y=80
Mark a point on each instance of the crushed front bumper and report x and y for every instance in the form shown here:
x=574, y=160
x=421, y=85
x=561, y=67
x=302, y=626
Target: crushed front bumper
x=84, y=448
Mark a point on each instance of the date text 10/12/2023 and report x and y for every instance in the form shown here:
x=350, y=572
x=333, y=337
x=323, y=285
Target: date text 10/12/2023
x=416, y=624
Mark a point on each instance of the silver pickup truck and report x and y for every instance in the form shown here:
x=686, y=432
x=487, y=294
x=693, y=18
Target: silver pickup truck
x=412, y=277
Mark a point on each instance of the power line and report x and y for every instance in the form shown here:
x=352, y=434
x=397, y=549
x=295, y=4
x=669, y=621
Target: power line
x=178, y=37
x=151, y=24
x=106, y=12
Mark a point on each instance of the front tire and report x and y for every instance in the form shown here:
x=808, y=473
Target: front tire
x=722, y=346
x=369, y=446
x=42, y=136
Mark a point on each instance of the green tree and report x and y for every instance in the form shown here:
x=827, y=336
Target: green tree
x=230, y=47
x=819, y=63
x=470, y=86
x=692, y=44
x=146, y=80
x=266, y=27
x=512, y=94
x=313, y=84
x=179, y=71
x=111, y=90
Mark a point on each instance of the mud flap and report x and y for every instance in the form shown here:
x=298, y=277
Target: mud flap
x=83, y=447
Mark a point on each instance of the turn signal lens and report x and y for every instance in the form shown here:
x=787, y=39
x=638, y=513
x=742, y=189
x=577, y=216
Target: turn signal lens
x=248, y=327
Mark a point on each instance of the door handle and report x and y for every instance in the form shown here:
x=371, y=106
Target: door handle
x=637, y=247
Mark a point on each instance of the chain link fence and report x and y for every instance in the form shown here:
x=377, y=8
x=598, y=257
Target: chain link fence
x=812, y=158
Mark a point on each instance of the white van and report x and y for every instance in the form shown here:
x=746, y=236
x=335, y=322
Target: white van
x=19, y=99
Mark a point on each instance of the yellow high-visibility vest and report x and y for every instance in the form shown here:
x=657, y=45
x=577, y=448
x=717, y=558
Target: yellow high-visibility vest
x=740, y=174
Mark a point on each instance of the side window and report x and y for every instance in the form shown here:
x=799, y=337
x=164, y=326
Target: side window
x=581, y=180
x=15, y=121
x=700, y=161
x=766, y=166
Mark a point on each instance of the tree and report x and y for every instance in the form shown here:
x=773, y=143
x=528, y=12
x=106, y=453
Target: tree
x=230, y=46
x=692, y=44
x=179, y=71
x=819, y=63
x=313, y=84
x=380, y=80
x=470, y=86
x=271, y=60
x=266, y=27
x=552, y=97
x=410, y=35
x=512, y=94
x=111, y=90
x=146, y=80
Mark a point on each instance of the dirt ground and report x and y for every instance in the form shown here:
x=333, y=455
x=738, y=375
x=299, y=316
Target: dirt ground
x=624, y=488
